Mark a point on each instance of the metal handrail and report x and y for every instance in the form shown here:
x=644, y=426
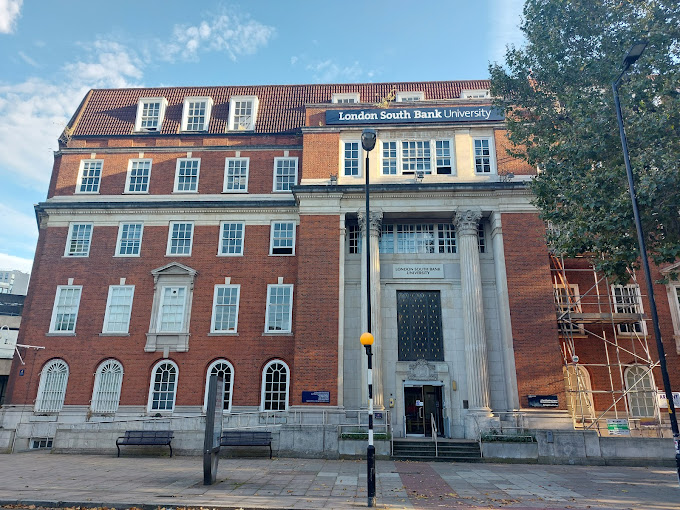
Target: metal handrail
x=434, y=434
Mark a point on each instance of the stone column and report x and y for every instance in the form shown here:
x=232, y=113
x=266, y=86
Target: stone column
x=467, y=221
x=374, y=229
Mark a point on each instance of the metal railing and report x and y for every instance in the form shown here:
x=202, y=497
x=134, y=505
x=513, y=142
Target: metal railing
x=434, y=434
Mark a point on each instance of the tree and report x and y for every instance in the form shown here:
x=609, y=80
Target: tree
x=557, y=95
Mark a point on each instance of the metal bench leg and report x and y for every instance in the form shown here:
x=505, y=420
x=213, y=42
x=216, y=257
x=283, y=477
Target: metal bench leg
x=170, y=449
x=118, y=449
x=270, y=450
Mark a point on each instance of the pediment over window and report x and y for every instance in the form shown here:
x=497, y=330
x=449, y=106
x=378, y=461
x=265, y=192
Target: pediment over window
x=673, y=268
x=174, y=269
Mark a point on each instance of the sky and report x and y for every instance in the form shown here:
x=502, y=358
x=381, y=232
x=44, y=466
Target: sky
x=52, y=53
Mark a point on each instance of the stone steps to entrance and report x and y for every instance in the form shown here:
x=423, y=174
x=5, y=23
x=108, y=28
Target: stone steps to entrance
x=449, y=450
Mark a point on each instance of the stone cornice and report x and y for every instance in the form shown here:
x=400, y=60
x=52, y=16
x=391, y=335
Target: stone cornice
x=176, y=148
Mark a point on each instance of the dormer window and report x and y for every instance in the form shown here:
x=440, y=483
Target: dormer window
x=196, y=113
x=242, y=113
x=346, y=98
x=150, y=113
x=410, y=97
x=475, y=94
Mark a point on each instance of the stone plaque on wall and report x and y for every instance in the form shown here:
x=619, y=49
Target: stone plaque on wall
x=418, y=271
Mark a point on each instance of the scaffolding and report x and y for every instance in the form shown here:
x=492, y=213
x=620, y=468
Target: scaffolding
x=608, y=366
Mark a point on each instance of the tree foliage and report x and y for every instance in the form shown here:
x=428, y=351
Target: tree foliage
x=557, y=95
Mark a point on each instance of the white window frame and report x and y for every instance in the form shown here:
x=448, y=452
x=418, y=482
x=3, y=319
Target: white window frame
x=231, y=384
x=69, y=240
x=214, y=309
x=131, y=162
x=295, y=178
x=177, y=176
x=81, y=172
x=636, y=396
x=225, y=189
x=563, y=306
x=475, y=94
x=272, y=230
x=107, y=386
x=492, y=156
x=399, y=159
x=75, y=307
x=168, y=252
x=346, y=98
x=161, y=303
x=140, y=110
x=263, y=392
x=411, y=96
x=185, y=113
x=343, y=159
x=107, y=314
x=47, y=386
x=220, y=252
x=629, y=329
x=149, y=406
x=232, y=107
x=290, y=309
x=119, y=240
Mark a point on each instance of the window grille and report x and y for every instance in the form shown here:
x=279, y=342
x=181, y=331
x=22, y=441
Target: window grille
x=187, y=174
x=641, y=392
x=275, y=387
x=107, y=384
x=222, y=368
x=130, y=239
x=172, y=309
x=52, y=388
x=231, y=242
x=164, y=387
x=351, y=158
x=285, y=174
x=415, y=157
x=482, y=156
x=138, y=176
x=180, y=238
x=236, y=174
x=283, y=238
x=66, y=309
x=118, y=309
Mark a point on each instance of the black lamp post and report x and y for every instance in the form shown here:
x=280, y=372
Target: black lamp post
x=635, y=53
x=368, y=138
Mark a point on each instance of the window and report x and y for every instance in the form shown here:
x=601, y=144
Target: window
x=179, y=238
x=118, y=309
x=483, y=157
x=231, y=238
x=107, y=383
x=225, y=309
x=172, y=307
x=279, y=309
x=418, y=238
x=285, y=173
x=150, y=113
x=481, y=238
x=409, y=97
x=408, y=157
x=39, y=443
x=275, y=386
x=186, y=175
x=627, y=299
x=78, y=242
x=52, y=387
x=567, y=301
x=129, y=239
x=354, y=239
x=65, y=311
x=351, y=159
x=641, y=391
x=346, y=98
x=475, y=94
x=236, y=174
x=90, y=175
x=242, y=113
x=223, y=368
x=282, y=240
x=139, y=173
x=163, y=387
x=196, y=113
x=579, y=393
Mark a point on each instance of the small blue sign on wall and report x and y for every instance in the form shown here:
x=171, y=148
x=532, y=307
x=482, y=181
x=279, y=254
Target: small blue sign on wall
x=21, y=372
x=543, y=401
x=316, y=397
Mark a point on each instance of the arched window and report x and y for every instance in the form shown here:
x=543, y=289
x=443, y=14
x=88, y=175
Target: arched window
x=226, y=370
x=641, y=391
x=52, y=388
x=275, y=386
x=579, y=393
x=107, y=382
x=163, y=386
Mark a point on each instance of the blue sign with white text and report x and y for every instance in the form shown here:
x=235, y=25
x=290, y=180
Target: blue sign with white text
x=413, y=115
x=316, y=397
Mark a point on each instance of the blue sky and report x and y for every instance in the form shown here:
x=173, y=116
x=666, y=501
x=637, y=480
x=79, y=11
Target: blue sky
x=51, y=53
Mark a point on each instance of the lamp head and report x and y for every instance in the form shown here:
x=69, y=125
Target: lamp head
x=366, y=339
x=634, y=53
x=368, y=138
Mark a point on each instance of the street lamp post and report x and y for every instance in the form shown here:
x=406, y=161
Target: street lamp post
x=635, y=53
x=368, y=138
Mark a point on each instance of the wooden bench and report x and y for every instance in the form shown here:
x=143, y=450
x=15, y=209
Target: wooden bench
x=145, y=438
x=247, y=438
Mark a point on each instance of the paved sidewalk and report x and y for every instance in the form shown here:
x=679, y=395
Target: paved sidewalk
x=92, y=480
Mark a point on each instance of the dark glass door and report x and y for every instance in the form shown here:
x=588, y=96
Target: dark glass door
x=415, y=412
x=432, y=400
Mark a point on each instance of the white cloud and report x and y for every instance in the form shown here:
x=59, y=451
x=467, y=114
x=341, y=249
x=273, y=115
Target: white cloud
x=231, y=33
x=19, y=235
x=17, y=263
x=28, y=60
x=9, y=12
x=112, y=65
x=293, y=60
x=505, y=18
x=328, y=71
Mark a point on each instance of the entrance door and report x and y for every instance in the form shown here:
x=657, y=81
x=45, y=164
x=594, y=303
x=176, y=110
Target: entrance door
x=421, y=403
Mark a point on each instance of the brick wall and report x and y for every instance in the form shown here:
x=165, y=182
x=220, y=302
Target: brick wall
x=321, y=155
x=505, y=162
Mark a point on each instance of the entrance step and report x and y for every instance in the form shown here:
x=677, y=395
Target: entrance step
x=450, y=450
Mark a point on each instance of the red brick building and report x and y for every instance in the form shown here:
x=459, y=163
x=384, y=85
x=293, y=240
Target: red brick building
x=221, y=229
